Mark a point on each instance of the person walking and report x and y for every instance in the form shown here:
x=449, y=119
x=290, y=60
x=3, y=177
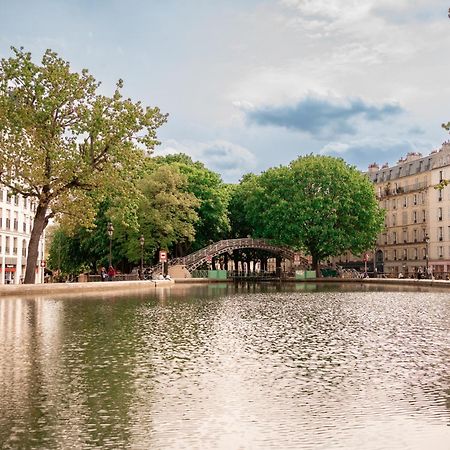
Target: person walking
x=111, y=273
x=103, y=274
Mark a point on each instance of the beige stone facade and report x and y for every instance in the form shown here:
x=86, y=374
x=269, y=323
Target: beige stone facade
x=417, y=224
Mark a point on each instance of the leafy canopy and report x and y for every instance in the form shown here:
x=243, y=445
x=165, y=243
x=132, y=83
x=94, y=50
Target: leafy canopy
x=67, y=146
x=318, y=204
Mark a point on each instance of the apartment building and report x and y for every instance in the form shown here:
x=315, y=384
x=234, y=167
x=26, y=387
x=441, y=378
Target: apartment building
x=416, y=237
x=16, y=222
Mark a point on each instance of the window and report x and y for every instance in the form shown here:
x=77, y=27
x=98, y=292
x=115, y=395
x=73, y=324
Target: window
x=439, y=195
x=440, y=176
x=416, y=253
x=415, y=216
x=441, y=251
x=405, y=236
x=405, y=254
x=415, y=235
x=16, y=221
x=405, y=201
x=394, y=237
x=439, y=213
x=8, y=197
x=24, y=248
x=7, y=244
x=8, y=220
x=393, y=220
x=440, y=233
x=395, y=255
x=16, y=200
x=415, y=199
x=394, y=203
x=24, y=223
x=15, y=246
x=424, y=215
x=1, y=217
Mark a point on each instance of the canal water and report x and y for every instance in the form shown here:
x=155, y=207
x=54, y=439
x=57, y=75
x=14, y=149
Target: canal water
x=227, y=367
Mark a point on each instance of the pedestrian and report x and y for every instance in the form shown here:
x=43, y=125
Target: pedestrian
x=103, y=274
x=111, y=273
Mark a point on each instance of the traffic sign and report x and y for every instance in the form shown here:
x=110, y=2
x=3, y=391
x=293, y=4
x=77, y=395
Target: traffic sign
x=162, y=256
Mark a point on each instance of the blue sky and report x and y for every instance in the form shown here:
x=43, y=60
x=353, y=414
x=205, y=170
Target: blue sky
x=252, y=84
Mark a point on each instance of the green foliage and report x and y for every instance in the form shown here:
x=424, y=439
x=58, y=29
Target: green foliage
x=67, y=146
x=318, y=204
x=212, y=194
x=242, y=207
x=165, y=215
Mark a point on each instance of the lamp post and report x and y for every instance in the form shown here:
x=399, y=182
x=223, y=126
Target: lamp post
x=427, y=242
x=142, y=241
x=110, y=230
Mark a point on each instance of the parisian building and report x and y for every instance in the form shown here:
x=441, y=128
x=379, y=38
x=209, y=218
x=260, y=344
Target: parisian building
x=416, y=238
x=16, y=222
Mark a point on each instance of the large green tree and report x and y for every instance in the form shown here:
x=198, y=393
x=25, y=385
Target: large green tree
x=63, y=144
x=318, y=204
x=212, y=194
x=166, y=215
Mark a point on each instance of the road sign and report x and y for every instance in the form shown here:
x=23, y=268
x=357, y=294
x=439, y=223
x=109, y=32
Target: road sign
x=43, y=263
x=162, y=256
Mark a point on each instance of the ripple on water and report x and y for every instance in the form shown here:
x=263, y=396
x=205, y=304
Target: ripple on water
x=246, y=370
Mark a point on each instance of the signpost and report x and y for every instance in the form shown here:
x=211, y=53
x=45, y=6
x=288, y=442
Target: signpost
x=163, y=261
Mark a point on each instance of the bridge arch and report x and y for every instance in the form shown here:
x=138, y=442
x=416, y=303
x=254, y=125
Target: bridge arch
x=200, y=257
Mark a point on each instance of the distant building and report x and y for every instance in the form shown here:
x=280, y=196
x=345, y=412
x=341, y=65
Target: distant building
x=16, y=222
x=417, y=224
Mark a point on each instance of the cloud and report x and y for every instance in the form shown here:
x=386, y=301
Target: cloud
x=321, y=117
x=364, y=151
x=229, y=159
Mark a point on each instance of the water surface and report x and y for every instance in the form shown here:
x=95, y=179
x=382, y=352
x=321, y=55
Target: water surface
x=218, y=366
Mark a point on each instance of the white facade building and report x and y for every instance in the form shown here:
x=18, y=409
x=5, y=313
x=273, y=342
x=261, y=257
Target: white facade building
x=16, y=222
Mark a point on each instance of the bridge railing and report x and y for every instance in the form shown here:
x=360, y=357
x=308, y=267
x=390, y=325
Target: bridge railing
x=195, y=259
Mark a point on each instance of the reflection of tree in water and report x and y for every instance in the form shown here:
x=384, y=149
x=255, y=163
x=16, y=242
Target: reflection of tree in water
x=101, y=340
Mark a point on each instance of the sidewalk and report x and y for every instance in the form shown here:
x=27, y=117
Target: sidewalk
x=57, y=288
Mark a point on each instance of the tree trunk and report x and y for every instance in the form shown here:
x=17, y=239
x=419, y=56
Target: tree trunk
x=39, y=225
x=316, y=264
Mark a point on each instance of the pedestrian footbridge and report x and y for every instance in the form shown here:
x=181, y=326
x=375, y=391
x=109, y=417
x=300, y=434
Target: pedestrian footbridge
x=205, y=255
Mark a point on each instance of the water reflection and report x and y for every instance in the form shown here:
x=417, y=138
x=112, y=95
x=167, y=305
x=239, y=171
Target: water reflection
x=225, y=366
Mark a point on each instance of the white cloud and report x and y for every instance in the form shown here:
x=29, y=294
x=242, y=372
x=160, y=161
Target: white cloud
x=229, y=159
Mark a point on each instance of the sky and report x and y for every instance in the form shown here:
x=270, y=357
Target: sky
x=253, y=84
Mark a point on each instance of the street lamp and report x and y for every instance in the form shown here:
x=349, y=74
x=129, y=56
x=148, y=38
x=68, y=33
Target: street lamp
x=142, y=241
x=427, y=242
x=110, y=230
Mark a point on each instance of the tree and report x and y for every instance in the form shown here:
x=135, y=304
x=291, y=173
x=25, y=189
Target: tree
x=66, y=146
x=241, y=206
x=318, y=204
x=212, y=194
x=445, y=182
x=165, y=215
